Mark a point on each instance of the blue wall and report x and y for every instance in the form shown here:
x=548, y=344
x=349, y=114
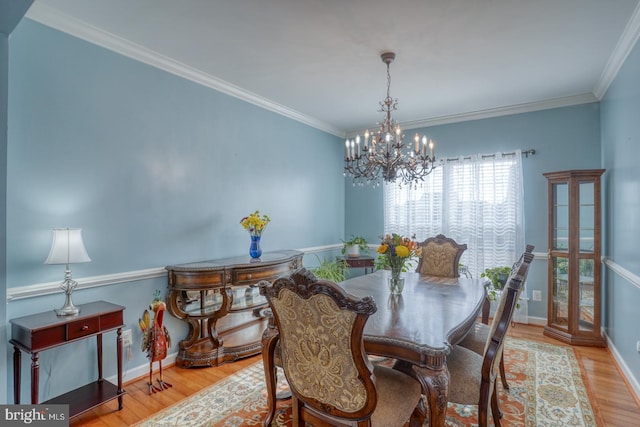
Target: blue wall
x=564, y=138
x=620, y=154
x=158, y=170
x=4, y=67
x=155, y=169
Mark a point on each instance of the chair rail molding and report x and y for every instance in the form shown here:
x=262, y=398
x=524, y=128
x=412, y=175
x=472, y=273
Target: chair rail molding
x=40, y=289
x=632, y=278
x=48, y=288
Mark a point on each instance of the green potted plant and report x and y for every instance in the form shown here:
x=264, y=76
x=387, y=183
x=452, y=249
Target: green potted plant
x=498, y=277
x=354, y=246
x=331, y=269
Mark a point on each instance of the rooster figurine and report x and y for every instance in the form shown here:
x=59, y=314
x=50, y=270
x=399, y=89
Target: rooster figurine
x=155, y=340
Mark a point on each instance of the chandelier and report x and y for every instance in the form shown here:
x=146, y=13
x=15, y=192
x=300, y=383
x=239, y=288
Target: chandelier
x=383, y=153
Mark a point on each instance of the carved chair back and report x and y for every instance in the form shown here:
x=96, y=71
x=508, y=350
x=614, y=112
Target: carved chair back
x=440, y=256
x=321, y=346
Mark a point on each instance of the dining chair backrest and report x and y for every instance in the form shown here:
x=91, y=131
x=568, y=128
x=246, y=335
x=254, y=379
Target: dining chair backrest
x=486, y=308
x=321, y=345
x=440, y=256
x=515, y=283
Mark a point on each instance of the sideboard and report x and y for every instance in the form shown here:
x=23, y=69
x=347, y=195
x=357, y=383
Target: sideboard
x=221, y=302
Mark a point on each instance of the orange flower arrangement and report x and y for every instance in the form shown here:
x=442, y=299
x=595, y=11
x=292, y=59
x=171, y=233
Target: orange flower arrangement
x=394, y=252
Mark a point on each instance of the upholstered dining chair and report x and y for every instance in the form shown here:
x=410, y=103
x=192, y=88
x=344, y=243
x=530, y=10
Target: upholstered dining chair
x=440, y=256
x=477, y=337
x=319, y=338
x=472, y=376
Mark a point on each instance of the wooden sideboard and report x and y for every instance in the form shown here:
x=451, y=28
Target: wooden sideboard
x=220, y=301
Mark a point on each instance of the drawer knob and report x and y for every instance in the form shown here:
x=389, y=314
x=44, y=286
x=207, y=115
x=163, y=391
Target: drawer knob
x=249, y=276
x=85, y=327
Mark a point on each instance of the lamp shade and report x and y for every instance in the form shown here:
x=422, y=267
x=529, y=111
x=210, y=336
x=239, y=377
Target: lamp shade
x=67, y=247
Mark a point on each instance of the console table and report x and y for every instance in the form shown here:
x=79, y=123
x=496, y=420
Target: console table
x=43, y=331
x=362, y=261
x=221, y=302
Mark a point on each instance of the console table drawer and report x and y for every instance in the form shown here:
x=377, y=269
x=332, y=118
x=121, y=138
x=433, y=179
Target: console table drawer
x=195, y=280
x=82, y=328
x=111, y=321
x=249, y=277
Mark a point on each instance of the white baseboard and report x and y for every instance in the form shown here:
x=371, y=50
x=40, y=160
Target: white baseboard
x=141, y=371
x=626, y=372
x=539, y=321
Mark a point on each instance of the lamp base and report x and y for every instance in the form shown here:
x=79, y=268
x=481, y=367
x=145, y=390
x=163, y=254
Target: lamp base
x=67, y=311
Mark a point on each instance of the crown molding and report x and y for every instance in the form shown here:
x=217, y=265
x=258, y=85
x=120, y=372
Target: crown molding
x=496, y=112
x=51, y=17
x=624, y=46
x=504, y=111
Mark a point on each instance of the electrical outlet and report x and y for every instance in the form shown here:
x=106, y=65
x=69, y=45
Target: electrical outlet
x=638, y=346
x=536, y=295
x=127, y=339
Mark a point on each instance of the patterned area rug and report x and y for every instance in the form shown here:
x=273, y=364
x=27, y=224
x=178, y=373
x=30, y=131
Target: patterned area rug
x=546, y=389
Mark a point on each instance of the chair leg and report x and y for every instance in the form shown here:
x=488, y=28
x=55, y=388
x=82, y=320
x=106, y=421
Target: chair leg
x=483, y=404
x=486, y=310
x=503, y=375
x=418, y=416
x=268, y=348
x=496, y=413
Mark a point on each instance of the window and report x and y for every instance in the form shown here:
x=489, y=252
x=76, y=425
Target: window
x=477, y=200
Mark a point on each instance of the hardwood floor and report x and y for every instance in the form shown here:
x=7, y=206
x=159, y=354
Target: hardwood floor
x=612, y=399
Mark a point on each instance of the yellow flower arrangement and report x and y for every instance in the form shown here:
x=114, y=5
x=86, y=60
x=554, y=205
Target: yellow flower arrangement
x=255, y=223
x=394, y=252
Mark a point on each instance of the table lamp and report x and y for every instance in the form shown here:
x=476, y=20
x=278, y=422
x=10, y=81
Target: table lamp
x=67, y=248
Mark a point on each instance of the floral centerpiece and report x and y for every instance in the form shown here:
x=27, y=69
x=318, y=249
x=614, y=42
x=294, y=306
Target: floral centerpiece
x=255, y=225
x=394, y=253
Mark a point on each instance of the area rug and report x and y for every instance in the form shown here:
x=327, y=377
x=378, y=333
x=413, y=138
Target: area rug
x=546, y=389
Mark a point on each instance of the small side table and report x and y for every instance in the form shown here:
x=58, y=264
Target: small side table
x=43, y=331
x=362, y=261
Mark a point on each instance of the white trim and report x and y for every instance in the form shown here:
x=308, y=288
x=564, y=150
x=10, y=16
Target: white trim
x=51, y=17
x=539, y=321
x=624, y=46
x=40, y=289
x=503, y=111
x=626, y=371
x=622, y=272
x=140, y=371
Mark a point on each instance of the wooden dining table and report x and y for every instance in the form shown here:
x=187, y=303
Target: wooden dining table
x=417, y=328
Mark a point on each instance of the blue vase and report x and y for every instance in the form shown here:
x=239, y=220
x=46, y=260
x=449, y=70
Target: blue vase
x=254, y=249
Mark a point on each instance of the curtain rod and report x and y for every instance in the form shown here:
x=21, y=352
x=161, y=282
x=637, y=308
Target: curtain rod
x=526, y=153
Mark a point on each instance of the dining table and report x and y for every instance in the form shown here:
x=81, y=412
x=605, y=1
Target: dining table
x=417, y=328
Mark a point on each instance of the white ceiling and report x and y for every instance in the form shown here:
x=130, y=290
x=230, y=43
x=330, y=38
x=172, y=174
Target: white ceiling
x=318, y=60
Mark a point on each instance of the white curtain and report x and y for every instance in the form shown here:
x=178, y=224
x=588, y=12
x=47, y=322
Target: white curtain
x=477, y=200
